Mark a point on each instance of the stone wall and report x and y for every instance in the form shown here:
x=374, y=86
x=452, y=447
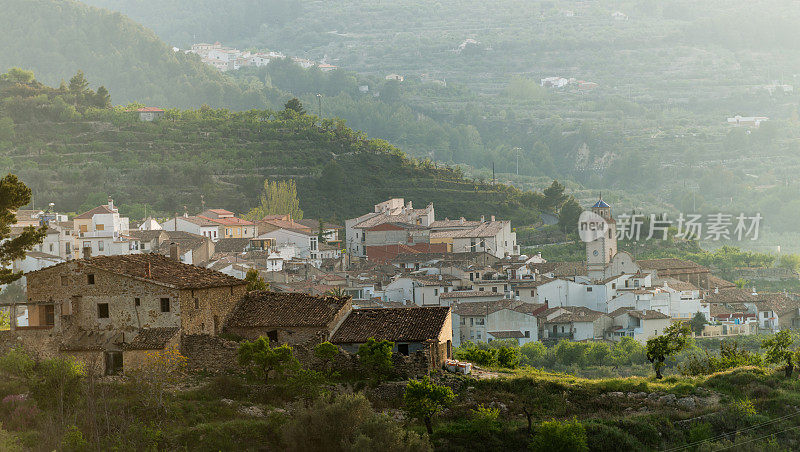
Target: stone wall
x=204, y=310
x=209, y=353
x=292, y=336
x=67, y=286
x=42, y=343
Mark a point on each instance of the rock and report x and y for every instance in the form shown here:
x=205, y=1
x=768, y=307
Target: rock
x=228, y=402
x=641, y=395
x=668, y=399
x=252, y=411
x=687, y=403
x=616, y=394
x=653, y=396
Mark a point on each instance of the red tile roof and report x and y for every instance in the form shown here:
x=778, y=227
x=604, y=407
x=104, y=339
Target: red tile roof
x=279, y=309
x=158, y=269
x=392, y=324
x=91, y=213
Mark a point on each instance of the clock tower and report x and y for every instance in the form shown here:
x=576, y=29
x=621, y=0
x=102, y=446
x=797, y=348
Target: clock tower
x=601, y=250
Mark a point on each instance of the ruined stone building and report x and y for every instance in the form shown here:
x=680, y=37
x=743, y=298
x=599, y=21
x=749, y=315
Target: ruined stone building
x=99, y=308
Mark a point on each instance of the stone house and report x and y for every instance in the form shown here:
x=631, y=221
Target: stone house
x=424, y=329
x=96, y=306
x=292, y=318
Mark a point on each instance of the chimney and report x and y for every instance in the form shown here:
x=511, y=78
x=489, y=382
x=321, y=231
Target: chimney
x=483, y=219
x=110, y=203
x=716, y=289
x=87, y=252
x=546, y=304
x=461, y=220
x=492, y=217
x=174, y=252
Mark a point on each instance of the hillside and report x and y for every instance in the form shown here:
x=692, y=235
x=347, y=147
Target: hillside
x=667, y=76
x=73, y=154
x=58, y=38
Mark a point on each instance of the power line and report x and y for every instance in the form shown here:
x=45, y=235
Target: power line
x=723, y=435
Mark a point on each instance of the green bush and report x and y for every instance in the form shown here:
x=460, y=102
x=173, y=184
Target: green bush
x=237, y=434
x=508, y=357
x=73, y=440
x=376, y=358
x=559, y=436
x=347, y=423
x=607, y=438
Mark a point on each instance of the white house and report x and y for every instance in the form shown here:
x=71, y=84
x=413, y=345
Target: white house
x=305, y=242
x=572, y=323
x=490, y=320
x=422, y=290
x=637, y=324
x=194, y=225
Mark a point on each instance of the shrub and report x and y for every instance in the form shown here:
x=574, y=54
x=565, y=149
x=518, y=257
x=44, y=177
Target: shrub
x=306, y=383
x=607, y=438
x=533, y=353
x=347, y=423
x=73, y=440
x=260, y=358
x=508, y=357
x=8, y=442
x=423, y=399
x=376, y=358
x=730, y=356
x=485, y=420
x=558, y=436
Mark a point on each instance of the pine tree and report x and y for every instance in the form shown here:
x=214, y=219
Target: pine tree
x=78, y=83
x=13, y=195
x=102, y=99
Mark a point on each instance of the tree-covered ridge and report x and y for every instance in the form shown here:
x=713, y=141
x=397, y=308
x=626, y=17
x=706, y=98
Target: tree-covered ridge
x=58, y=38
x=87, y=153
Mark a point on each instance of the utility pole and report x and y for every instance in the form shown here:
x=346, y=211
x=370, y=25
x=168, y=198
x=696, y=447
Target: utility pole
x=517, y=152
x=492, y=172
x=319, y=106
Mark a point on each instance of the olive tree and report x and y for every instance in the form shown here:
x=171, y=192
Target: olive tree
x=673, y=340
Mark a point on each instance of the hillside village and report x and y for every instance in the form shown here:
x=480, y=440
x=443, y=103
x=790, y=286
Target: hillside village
x=103, y=289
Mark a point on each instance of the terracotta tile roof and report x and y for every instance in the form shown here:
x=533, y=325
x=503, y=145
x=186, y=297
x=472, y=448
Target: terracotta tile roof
x=668, y=263
x=161, y=270
x=561, y=268
x=470, y=294
x=460, y=223
x=393, y=324
x=649, y=314
x=264, y=308
x=506, y=334
x=151, y=339
x=150, y=109
x=530, y=284
x=285, y=224
x=91, y=213
x=147, y=236
x=396, y=226
x=572, y=314
x=479, y=308
x=674, y=284
x=200, y=221
x=234, y=245
x=233, y=221
x=619, y=311
x=714, y=281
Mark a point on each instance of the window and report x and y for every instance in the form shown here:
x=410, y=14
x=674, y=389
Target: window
x=480, y=289
x=51, y=247
x=479, y=322
x=505, y=287
x=165, y=305
x=100, y=246
x=49, y=315
x=516, y=292
x=463, y=321
x=588, y=289
x=471, y=321
x=613, y=285
x=99, y=227
x=87, y=244
x=435, y=292
x=533, y=293
x=137, y=302
x=471, y=277
x=64, y=280
x=527, y=334
x=197, y=303
x=90, y=278
x=494, y=289
x=102, y=310
x=402, y=349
